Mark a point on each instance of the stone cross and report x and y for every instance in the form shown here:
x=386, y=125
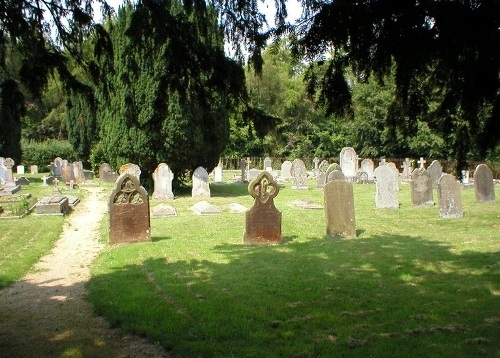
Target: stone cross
x=243, y=167
x=44, y=178
x=421, y=163
x=316, y=163
x=9, y=164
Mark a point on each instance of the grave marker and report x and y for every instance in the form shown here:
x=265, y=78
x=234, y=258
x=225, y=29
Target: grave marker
x=218, y=173
x=449, y=197
x=163, y=177
x=421, y=188
x=132, y=169
x=483, y=184
x=299, y=174
x=348, y=163
x=200, y=183
x=387, y=187
x=321, y=179
x=335, y=175
x=368, y=166
x=339, y=209
x=286, y=170
x=435, y=171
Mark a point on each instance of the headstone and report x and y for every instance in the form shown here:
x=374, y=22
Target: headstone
x=435, y=171
x=335, y=175
x=339, y=209
x=316, y=163
x=363, y=177
x=78, y=176
x=268, y=164
x=368, y=166
x=348, y=163
x=205, y=208
x=465, y=177
x=51, y=180
x=393, y=167
x=286, y=170
x=406, y=174
x=129, y=211
x=163, y=177
x=421, y=188
x=132, y=169
x=483, y=184
x=449, y=197
x=9, y=164
x=330, y=169
x=299, y=174
x=163, y=210
x=421, y=163
x=387, y=187
x=57, y=167
x=106, y=173
x=20, y=169
x=200, y=183
x=52, y=205
x=67, y=174
x=3, y=174
x=321, y=179
x=34, y=169
x=88, y=174
x=243, y=167
x=263, y=220
x=218, y=173
x=252, y=174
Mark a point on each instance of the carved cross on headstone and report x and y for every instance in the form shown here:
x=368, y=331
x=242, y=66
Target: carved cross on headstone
x=421, y=163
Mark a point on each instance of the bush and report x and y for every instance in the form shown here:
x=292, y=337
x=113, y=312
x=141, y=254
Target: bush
x=44, y=153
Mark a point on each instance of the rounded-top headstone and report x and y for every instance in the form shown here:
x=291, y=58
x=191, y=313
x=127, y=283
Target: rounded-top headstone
x=483, y=184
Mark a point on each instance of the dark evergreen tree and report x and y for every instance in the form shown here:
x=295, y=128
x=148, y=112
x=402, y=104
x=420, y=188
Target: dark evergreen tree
x=11, y=110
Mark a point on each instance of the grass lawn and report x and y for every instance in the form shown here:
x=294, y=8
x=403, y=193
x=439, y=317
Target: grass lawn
x=410, y=283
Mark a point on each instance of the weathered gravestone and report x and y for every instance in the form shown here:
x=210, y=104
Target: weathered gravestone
x=132, y=169
x=53, y=205
x=406, y=174
x=449, y=197
x=106, y=173
x=299, y=174
x=286, y=170
x=22, y=181
x=263, y=220
x=421, y=163
x=335, y=175
x=163, y=210
x=78, y=175
x=483, y=184
x=268, y=164
x=435, y=171
x=315, y=171
x=252, y=174
x=163, y=177
x=34, y=169
x=128, y=211
x=387, y=187
x=205, y=208
x=368, y=166
x=67, y=174
x=321, y=179
x=339, y=208
x=243, y=167
x=3, y=173
x=330, y=169
x=421, y=188
x=57, y=167
x=348, y=163
x=10, y=185
x=363, y=177
x=200, y=183
x=218, y=173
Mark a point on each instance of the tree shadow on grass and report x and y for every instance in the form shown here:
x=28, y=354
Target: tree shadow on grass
x=322, y=297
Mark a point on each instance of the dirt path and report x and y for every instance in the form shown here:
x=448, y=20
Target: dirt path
x=45, y=314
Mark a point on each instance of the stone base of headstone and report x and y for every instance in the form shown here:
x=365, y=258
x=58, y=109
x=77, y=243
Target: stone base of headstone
x=53, y=205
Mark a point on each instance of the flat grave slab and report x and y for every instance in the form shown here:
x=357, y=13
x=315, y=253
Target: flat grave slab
x=235, y=208
x=205, y=208
x=53, y=205
x=163, y=210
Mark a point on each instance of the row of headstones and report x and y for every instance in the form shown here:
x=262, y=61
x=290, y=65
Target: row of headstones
x=68, y=172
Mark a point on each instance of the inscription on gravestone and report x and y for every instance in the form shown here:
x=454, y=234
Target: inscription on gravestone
x=129, y=211
x=263, y=220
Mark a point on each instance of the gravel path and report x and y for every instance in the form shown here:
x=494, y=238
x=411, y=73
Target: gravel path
x=45, y=314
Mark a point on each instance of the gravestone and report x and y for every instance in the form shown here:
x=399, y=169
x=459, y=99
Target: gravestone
x=67, y=174
x=330, y=169
x=465, y=177
x=435, y=171
x=483, y=184
x=163, y=177
x=200, y=183
x=406, y=174
x=268, y=164
x=363, y=177
x=3, y=174
x=299, y=174
x=132, y=169
x=243, y=167
x=205, y=208
x=50, y=180
x=421, y=188
x=235, y=208
x=218, y=173
x=321, y=179
x=88, y=174
x=128, y=211
x=34, y=169
x=78, y=175
x=387, y=187
x=449, y=197
x=335, y=175
x=392, y=166
x=368, y=166
x=263, y=220
x=421, y=163
x=22, y=181
x=252, y=174
x=57, y=167
x=339, y=209
x=53, y=205
x=106, y=173
x=10, y=185
x=163, y=210
x=20, y=169
x=348, y=163
x=286, y=170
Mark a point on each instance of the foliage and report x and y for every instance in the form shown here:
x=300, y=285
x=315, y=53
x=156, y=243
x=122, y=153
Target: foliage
x=11, y=110
x=44, y=153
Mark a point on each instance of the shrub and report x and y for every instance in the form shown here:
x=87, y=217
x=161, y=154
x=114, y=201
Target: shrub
x=44, y=153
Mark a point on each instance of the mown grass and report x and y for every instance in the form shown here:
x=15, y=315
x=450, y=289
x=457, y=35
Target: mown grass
x=409, y=284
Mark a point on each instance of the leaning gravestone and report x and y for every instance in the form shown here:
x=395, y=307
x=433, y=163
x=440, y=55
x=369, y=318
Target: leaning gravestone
x=299, y=174
x=387, y=187
x=263, y=220
x=200, y=183
x=339, y=209
x=286, y=170
x=421, y=188
x=128, y=211
x=218, y=173
x=449, y=197
x=348, y=163
x=335, y=175
x=483, y=183
x=435, y=171
x=106, y=173
x=321, y=179
x=132, y=169
x=163, y=177
x=368, y=166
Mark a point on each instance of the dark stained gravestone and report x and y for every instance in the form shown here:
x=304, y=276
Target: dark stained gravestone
x=107, y=174
x=128, y=211
x=483, y=183
x=339, y=209
x=449, y=197
x=421, y=188
x=435, y=171
x=263, y=220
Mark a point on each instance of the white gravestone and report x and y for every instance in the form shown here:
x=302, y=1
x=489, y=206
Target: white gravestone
x=348, y=163
x=200, y=183
x=163, y=177
x=387, y=187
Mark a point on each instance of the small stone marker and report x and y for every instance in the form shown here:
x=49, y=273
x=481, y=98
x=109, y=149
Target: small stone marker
x=128, y=211
x=348, y=163
x=268, y=164
x=449, y=197
x=22, y=181
x=263, y=220
x=163, y=210
x=243, y=167
x=435, y=171
x=368, y=166
x=387, y=187
x=34, y=169
x=200, y=183
x=132, y=169
x=421, y=188
x=483, y=184
x=218, y=173
x=20, y=169
x=163, y=177
x=321, y=179
x=335, y=175
x=339, y=209
x=299, y=174
x=286, y=170
x=205, y=208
